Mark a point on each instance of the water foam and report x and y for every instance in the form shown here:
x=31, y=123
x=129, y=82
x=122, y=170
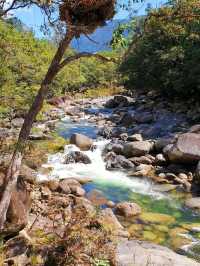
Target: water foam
x=96, y=170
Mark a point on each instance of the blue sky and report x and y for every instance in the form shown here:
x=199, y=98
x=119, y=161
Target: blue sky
x=33, y=18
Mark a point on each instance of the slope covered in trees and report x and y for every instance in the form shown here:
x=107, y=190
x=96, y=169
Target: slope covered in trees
x=24, y=61
x=166, y=56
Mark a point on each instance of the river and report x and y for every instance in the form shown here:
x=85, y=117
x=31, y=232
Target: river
x=165, y=220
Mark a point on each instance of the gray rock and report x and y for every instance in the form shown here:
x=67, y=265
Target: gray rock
x=81, y=141
x=77, y=157
x=142, y=160
x=137, y=148
x=140, y=253
x=114, y=161
x=186, y=149
x=119, y=101
x=117, y=148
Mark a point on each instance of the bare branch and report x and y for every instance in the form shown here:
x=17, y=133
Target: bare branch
x=87, y=55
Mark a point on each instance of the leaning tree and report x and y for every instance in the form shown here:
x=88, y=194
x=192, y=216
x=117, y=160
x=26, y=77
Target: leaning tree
x=74, y=17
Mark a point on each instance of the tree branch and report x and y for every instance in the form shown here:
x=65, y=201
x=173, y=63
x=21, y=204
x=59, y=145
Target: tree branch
x=87, y=55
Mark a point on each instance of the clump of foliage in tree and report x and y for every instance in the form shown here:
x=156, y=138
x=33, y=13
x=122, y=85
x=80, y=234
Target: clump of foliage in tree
x=166, y=56
x=24, y=61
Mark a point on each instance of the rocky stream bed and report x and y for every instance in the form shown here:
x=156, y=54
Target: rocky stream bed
x=135, y=161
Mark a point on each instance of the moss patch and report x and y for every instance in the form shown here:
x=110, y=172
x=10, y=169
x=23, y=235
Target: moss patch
x=157, y=218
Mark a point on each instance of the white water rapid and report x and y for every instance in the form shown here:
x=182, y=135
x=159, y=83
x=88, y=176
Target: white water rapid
x=95, y=171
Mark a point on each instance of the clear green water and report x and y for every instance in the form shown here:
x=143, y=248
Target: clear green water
x=174, y=233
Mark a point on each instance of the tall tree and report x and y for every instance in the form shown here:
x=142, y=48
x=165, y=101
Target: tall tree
x=75, y=18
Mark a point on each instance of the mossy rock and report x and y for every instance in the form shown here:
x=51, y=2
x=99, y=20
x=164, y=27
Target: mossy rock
x=157, y=218
x=135, y=230
x=55, y=145
x=149, y=236
x=161, y=228
x=177, y=231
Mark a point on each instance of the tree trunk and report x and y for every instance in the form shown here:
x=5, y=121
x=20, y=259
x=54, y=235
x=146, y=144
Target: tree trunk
x=15, y=164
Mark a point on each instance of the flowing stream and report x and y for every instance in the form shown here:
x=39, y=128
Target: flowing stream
x=165, y=221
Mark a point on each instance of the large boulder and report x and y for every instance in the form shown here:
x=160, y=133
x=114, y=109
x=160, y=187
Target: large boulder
x=81, y=141
x=186, y=149
x=140, y=253
x=114, y=161
x=135, y=137
x=119, y=101
x=127, y=209
x=77, y=157
x=137, y=148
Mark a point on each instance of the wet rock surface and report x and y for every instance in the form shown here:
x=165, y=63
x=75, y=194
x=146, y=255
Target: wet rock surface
x=81, y=141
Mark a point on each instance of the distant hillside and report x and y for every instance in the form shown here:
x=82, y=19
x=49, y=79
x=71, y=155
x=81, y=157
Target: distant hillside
x=101, y=38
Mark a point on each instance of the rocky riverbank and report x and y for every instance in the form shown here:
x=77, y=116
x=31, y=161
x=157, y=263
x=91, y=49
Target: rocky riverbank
x=65, y=225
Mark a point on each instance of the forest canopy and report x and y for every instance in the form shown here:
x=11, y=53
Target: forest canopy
x=166, y=55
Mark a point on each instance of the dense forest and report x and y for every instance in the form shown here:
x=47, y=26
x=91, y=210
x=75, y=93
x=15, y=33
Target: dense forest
x=165, y=54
